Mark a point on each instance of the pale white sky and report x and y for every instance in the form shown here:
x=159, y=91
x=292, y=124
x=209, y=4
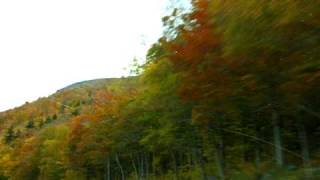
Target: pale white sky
x=46, y=45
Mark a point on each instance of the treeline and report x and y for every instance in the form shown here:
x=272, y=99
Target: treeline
x=231, y=91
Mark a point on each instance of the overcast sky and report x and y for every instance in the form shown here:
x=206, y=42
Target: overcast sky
x=46, y=45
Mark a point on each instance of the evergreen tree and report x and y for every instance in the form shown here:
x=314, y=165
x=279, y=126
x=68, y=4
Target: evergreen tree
x=9, y=135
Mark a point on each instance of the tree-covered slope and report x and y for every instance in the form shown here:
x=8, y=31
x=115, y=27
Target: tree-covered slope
x=231, y=91
x=63, y=105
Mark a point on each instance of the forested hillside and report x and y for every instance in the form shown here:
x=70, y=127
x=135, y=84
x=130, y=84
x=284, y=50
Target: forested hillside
x=231, y=91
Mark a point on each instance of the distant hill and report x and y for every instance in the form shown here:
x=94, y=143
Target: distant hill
x=58, y=107
x=90, y=83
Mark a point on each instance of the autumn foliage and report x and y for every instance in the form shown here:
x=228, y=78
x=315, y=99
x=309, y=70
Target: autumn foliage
x=231, y=91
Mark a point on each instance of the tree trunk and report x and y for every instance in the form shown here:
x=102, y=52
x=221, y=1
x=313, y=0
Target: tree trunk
x=175, y=168
x=142, y=166
x=135, y=168
x=220, y=158
x=220, y=153
x=277, y=139
x=258, y=159
x=305, y=150
x=153, y=164
x=147, y=165
x=107, y=175
x=258, y=162
x=120, y=166
x=190, y=160
x=198, y=158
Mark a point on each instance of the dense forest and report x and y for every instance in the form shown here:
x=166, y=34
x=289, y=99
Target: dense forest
x=231, y=91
